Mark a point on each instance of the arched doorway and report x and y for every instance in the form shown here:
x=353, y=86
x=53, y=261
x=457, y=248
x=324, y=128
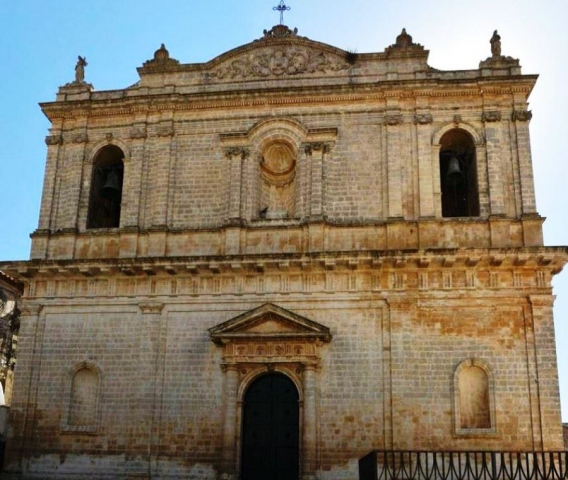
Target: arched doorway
x=270, y=437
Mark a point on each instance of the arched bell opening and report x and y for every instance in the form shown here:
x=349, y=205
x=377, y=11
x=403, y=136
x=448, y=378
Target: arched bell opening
x=106, y=188
x=458, y=175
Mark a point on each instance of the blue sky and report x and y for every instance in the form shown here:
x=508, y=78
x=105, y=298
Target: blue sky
x=41, y=39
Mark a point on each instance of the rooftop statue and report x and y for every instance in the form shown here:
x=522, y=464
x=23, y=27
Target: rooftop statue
x=80, y=69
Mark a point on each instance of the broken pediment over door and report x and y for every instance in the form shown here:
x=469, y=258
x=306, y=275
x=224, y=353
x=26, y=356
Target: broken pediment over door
x=270, y=334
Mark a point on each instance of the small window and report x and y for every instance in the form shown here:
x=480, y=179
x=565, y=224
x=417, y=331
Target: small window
x=106, y=188
x=458, y=175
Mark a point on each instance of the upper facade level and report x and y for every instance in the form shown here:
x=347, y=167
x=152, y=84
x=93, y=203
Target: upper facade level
x=290, y=145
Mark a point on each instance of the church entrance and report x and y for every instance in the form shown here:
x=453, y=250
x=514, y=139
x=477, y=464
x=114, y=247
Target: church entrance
x=270, y=448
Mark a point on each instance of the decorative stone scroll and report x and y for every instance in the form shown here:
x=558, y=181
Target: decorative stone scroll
x=279, y=62
x=521, y=115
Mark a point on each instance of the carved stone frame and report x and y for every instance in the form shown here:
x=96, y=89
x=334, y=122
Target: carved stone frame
x=269, y=339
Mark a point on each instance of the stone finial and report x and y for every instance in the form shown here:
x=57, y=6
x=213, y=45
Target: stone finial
x=404, y=47
x=404, y=39
x=161, y=58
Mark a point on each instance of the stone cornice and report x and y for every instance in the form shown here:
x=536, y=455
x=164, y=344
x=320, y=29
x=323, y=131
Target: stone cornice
x=128, y=103
x=547, y=258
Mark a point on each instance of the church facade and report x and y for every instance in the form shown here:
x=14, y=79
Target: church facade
x=269, y=264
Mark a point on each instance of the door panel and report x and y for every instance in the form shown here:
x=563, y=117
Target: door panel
x=271, y=430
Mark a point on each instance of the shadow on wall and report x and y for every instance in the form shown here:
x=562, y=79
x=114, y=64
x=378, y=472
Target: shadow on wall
x=3, y=429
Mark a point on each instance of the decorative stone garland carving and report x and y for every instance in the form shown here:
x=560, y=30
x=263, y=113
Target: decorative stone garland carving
x=521, y=116
x=491, y=117
x=393, y=120
x=278, y=62
x=53, y=140
x=423, y=118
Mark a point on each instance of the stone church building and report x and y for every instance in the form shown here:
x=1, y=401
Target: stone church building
x=266, y=265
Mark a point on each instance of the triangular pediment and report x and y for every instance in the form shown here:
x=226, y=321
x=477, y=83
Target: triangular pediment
x=269, y=321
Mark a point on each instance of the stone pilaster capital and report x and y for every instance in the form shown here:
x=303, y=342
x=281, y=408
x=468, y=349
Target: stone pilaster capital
x=521, y=116
x=237, y=153
x=323, y=147
x=53, y=140
x=423, y=118
x=491, y=116
x=393, y=120
x=151, y=307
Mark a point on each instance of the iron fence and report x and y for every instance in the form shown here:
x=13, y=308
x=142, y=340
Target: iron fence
x=458, y=465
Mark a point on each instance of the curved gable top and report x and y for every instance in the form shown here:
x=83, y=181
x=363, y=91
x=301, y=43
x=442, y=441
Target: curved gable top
x=279, y=52
x=268, y=321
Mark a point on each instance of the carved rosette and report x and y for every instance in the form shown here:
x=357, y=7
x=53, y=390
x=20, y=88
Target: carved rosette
x=280, y=62
x=521, y=116
x=489, y=117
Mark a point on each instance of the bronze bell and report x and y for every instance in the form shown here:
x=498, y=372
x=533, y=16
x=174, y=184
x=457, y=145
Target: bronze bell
x=111, y=188
x=454, y=175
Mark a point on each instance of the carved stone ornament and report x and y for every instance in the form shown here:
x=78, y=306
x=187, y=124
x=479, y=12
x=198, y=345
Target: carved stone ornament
x=423, y=118
x=491, y=117
x=80, y=138
x=53, y=140
x=521, y=115
x=109, y=136
x=138, y=133
x=270, y=333
x=234, y=152
x=279, y=62
x=317, y=147
x=161, y=58
x=165, y=131
x=280, y=31
x=457, y=120
x=393, y=120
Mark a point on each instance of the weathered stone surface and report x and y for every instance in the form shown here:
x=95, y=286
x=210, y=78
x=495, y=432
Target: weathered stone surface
x=299, y=230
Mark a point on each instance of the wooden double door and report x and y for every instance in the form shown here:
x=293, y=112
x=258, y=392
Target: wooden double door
x=270, y=435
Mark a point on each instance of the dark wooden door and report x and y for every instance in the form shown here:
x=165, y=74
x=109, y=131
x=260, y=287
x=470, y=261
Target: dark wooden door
x=270, y=448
